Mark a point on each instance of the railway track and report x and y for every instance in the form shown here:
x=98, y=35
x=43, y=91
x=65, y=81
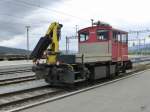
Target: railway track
x=15, y=74
x=11, y=95
x=17, y=80
x=15, y=70
x=26, y=98
x=23, y=97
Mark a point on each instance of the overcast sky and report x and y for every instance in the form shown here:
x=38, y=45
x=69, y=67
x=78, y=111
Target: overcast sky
x=16, y=14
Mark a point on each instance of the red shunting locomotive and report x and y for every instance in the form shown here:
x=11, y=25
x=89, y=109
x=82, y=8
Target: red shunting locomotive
x=103, y=53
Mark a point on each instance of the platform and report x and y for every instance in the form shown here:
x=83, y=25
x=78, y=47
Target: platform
x=128, y=95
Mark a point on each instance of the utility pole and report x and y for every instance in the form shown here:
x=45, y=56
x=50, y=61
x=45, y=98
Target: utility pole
x=138, y=51
x=68, y=42
x=76, y=30
x=137, y=32
x=66, y=45
x=28, y=49
x=92, y=21
x=144, y=47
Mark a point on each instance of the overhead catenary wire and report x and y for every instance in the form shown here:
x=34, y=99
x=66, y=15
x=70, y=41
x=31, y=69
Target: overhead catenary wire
x=22, y=23
x=2, y=1
x=138, y=39
x=139, y=31
x=24, y=3
x=50, y=9
x=5, y=14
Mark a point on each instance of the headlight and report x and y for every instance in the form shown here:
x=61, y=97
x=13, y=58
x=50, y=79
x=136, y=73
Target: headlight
x=57, y=63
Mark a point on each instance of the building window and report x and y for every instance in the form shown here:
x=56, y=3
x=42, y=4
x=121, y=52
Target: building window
x=102, y=34
x=83, y=37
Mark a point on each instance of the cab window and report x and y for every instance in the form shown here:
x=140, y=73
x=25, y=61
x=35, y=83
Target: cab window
x=117, y=36
x=83, y=36
x=120, y=37
x=102, y=34
x=124, y=38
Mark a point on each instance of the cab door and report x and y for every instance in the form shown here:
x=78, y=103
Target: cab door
x=124, y=46
x=116, y=46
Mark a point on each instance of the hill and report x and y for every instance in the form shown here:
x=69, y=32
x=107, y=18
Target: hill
x=12, y=51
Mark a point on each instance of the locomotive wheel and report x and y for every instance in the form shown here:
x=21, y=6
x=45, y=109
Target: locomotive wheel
x=116, y=70
x=109, y=76
x=124, y=68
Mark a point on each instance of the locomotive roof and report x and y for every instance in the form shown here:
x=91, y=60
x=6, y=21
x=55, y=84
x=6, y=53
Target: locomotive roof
x=107, y=27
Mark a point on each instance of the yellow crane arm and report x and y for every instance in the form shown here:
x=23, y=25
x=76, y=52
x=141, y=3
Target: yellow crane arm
x=54, y=31
x=50, y=39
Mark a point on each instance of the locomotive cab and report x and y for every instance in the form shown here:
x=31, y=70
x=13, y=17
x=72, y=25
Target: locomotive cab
x=103, y=42
x=95, y=43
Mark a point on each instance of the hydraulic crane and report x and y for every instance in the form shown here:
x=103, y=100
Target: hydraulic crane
x=51, y=39
x=48, y=46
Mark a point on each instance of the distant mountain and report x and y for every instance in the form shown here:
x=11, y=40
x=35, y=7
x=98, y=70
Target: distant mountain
x=140, y=49
x=12, y=51
x=142, y=46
